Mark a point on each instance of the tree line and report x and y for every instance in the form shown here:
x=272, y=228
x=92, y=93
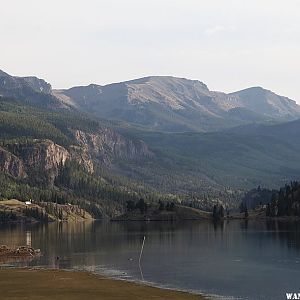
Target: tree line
x=285, y=202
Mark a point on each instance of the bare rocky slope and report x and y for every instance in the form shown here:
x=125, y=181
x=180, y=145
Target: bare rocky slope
x=178, y=104
x=44, y=157
x=31, y=89
x=158, y=102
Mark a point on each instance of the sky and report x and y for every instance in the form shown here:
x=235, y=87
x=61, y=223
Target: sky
x=227, y=44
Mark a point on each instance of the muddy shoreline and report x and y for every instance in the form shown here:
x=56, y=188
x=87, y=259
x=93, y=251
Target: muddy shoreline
x=34, y=284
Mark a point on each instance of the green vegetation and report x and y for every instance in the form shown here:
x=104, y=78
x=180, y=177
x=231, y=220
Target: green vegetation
x=21, y=121
x=285, y=202
x=218, y=212
x=209, y=163
x=256, y=198
x=198, y=170
x=100, y=194
x=161, y=211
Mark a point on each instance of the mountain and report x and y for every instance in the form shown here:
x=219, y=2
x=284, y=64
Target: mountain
x=266, y=102
x=62, y=156
x=157, y=102
x=207, y=162
x=31, y=90
x=55, y=147
x=177, y=104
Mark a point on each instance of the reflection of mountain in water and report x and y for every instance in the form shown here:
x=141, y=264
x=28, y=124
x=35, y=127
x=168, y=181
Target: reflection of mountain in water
x=216, y=258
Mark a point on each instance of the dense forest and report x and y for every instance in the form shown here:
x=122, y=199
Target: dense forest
x=101, y=194
x=107, y=192
x=285, y=202
x=276, y=203
x=256, y=197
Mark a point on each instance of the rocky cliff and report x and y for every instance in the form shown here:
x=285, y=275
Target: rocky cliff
x=11, y=164
x=32, y=90
x=44, y=157
x=41, y=159
x=106, y=145
x=37, y=84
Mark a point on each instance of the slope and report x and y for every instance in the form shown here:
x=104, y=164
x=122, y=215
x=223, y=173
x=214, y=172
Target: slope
x=177, y=104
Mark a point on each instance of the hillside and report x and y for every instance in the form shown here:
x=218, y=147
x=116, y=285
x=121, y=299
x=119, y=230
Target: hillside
x=174, y=213
x=17, y=211
x=269, y=156
x=266, y=103
x=177, y=104
x=64, y=157
x=31, y=90
x=64, y=153
x=285, y=202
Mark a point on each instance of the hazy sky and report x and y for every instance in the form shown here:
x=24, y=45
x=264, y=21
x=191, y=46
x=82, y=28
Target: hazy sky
x=228, y=44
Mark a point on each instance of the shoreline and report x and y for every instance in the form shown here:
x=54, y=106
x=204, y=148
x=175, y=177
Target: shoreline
x=25, y=283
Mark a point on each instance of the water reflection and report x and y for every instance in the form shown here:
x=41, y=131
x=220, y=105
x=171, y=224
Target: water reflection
x=217, y=258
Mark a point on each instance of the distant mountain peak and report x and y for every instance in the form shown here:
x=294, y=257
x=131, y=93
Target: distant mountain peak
x=166, y=80
x=39, y=85
x=31, y=89
x=3, y=74
x=165, y=103
x=178, y=104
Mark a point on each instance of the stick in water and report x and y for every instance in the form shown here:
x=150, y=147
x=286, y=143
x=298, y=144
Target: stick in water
x=141, y=258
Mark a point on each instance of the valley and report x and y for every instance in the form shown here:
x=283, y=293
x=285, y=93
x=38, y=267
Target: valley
x=156, y=138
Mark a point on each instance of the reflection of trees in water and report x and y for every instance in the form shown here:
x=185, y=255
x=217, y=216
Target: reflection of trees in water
x=287, y=232
x=69, y=240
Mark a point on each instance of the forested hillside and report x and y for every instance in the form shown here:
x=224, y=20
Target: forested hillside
x=41, y=159
x=53, y=147
x=285, y=202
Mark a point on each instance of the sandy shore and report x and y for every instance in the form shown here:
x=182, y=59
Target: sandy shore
x=64, y=285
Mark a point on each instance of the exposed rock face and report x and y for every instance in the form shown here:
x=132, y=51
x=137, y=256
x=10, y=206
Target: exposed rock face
x=30, y=89
x=82, y=156
x=107, y=144
x=39, y=85
x=11, y=85
x=11, y=164
x=46, y=157
x=42, y=159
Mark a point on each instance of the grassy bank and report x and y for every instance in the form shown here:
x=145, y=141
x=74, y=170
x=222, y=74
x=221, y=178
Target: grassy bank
x=17, y=211
x=20, y=284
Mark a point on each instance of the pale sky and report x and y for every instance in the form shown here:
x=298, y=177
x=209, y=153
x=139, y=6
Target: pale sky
x=227, y=44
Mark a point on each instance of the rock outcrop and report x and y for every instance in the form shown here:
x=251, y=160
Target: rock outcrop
x=11, y=164
x=106, y=145
x=45, y=157
x=37, y=84
x=83, y=157
x=41, y=159
x=32, y=90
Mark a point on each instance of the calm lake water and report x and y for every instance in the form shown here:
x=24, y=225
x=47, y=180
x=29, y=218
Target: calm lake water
x=236, y=259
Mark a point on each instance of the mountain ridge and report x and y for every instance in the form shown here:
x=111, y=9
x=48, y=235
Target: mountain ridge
x=158, y=141
x=166, y=103
x=178, y=104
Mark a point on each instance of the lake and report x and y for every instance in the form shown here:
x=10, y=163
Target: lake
x=233, y=259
